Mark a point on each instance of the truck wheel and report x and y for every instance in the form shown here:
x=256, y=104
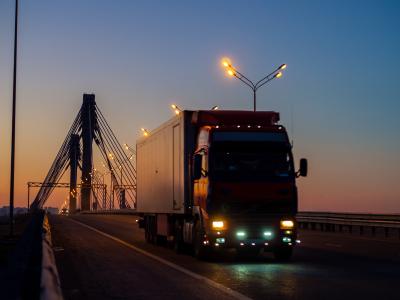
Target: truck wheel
x=283, y=253
x=178, y=239
x=200, y=251
x=147, y=235
x=150, y=230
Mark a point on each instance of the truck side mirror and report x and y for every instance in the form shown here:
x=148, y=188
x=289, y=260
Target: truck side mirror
x=303, y=167
x=197, y=166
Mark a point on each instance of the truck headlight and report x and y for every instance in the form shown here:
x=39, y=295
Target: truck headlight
x=287, y=224
x=218, y=224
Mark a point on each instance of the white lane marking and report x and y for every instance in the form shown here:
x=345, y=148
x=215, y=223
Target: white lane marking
x=210, y=282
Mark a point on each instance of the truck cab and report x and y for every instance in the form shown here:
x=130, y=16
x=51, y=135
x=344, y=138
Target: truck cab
x=244, y=188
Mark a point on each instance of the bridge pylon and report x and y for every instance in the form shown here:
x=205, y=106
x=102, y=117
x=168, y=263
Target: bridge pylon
x=88, y=121
x=74, y=150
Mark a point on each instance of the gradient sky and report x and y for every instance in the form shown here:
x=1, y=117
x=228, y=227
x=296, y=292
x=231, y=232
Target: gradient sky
x=339, y=97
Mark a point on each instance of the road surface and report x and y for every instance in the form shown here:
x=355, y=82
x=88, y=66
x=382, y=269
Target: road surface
x=97, y=257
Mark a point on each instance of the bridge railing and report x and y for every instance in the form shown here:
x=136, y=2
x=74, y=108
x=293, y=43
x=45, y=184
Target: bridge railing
x=373, y=224
x=124, y=211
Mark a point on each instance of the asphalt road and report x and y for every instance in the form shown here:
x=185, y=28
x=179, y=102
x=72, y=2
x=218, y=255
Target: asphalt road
x=325, y=266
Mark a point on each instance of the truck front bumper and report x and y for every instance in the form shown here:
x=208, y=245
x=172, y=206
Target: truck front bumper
x=241, y=239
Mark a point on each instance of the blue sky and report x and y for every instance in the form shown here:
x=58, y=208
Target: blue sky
x=339, y=97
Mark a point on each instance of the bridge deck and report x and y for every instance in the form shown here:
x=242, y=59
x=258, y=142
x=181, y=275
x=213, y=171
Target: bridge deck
x=325, y=266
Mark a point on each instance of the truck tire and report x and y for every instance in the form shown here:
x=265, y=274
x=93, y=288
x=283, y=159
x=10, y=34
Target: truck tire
x=283, y=253
x=200, y=251
x=150, y=230
x=178, y=238
x=146, y=230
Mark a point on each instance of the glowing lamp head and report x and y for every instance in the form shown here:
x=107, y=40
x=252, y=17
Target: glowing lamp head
x=279, y=75
x=230, y=72
x=283, y=67
x=215, y=107
x=176, y=109
x=225, y=62
x=145, y=132
x=287, y=224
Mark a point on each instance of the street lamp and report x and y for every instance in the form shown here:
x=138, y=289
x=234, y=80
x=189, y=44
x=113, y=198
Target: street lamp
x=215, y=107
x=176, y=109
x=145, y=131
x=131, y=150
x=233, y=72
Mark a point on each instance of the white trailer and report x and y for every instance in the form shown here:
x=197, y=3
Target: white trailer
x=163, y=163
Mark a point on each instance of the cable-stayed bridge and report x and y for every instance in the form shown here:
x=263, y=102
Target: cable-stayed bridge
x=89, y=129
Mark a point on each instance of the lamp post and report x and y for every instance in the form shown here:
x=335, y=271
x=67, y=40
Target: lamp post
x=146, y=132
x=176, y=109
x=233, y=72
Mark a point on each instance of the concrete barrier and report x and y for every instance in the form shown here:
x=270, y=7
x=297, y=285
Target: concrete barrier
x=50, y=282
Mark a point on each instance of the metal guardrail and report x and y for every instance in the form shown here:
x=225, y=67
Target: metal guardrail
x=325, y=221
x=125, y=211
x=328, y=221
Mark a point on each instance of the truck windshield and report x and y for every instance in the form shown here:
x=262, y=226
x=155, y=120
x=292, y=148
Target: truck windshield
x=249, y=159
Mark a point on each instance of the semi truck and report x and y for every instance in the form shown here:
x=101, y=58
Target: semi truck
x=219, y=179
